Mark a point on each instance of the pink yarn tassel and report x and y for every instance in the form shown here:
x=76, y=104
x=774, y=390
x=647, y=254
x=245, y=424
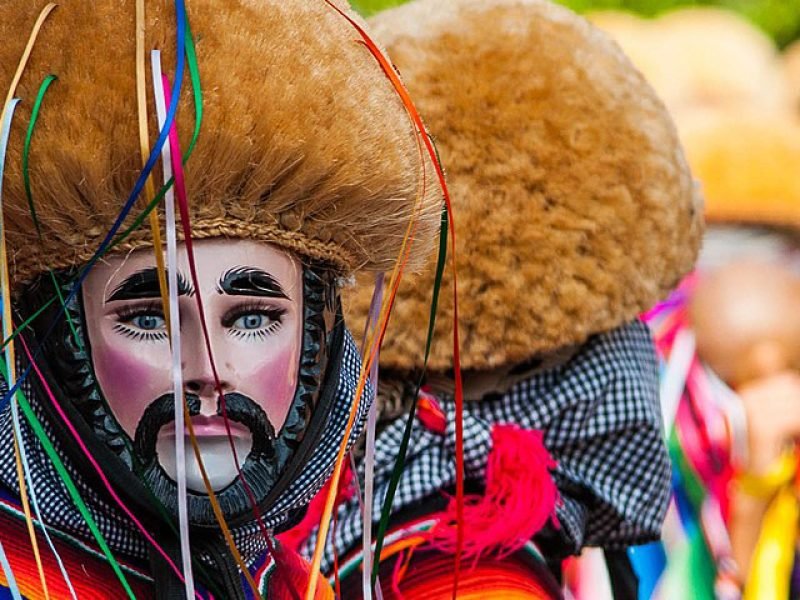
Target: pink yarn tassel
x=520, y=498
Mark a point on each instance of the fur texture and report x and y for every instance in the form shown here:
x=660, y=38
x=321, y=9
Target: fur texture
x=748, y=166
x=574, y=206
x=304, y=142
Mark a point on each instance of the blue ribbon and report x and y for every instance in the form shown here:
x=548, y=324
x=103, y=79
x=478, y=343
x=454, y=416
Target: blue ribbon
x=180, y=12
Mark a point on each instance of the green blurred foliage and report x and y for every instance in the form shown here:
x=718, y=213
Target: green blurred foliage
x=779, y=18
x=369, y=7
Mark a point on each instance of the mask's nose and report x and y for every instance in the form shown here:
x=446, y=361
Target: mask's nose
x=199, y=380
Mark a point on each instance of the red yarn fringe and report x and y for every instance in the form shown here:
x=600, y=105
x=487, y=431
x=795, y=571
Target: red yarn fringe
x=289, y=580
x=291, y=576
x=519, y=499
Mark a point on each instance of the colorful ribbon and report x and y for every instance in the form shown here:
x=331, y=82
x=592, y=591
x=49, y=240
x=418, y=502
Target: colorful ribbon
x=180, y=11
x=9, y=574
x=48, y=81
x=8, y=115
x=673, y=380
x=8, y=109
x=175, y=334
x=422, y=138
x=397, y=470
x=180, y=191
x=144, y=143
x=769, y=484
x=72, y=490
x=773, y=557
x=181, y=41
x=369, y=453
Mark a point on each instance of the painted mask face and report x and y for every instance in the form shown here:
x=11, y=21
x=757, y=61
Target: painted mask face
x=252, y=297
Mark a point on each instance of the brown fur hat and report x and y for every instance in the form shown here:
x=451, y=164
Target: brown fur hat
x=574, y=206
x=304, y=142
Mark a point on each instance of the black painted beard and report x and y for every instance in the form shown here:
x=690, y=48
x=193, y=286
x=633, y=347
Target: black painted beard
x=259, y=468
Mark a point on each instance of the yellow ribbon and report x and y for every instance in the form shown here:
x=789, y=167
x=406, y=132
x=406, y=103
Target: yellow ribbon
x=6, y=295
x=773, y=557
x=778, y=476
x=144, y=142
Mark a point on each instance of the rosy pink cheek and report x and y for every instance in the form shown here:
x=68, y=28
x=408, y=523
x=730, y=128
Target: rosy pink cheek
x=275, y=383
x=130, y=380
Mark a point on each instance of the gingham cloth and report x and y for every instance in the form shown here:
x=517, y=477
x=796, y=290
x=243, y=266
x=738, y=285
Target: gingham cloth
x=59, y=512
x=602, y=422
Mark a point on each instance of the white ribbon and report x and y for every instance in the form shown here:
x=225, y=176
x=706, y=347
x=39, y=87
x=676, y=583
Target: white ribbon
x=673, y=382
x=174, y=332
x=369, y=453
x=4, y=135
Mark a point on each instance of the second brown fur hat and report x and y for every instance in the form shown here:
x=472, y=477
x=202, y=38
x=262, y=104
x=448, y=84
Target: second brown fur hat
x=574, y=206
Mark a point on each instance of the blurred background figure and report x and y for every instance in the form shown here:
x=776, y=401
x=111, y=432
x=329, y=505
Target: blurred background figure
x=730, y=339
x=705, y=62
x=791, y=65
x=559, y=156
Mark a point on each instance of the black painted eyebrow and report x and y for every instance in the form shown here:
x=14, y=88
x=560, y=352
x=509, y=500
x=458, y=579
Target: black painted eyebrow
x=250, y=281
x=144, y=284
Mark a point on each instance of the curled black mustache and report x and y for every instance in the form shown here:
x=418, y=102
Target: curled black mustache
x=238, y=408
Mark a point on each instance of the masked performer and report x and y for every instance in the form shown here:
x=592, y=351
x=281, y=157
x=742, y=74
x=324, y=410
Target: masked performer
x=575, y=210
x=306, y=168
x=730, y=338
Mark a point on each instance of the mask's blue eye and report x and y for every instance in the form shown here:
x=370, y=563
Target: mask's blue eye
x=148, y=322
x=254, y=321
x=251, y=321
x=145, y=323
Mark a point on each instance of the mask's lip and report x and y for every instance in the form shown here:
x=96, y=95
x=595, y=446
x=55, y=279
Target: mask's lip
x=208, y=426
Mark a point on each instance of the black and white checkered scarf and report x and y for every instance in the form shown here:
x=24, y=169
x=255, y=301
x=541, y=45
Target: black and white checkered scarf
x=122, y=536
x=602, y=422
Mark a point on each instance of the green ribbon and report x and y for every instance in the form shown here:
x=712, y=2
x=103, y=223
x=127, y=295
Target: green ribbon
x=692, y=483
x=51, y=452
x=27, y=148
x=397, y=470
x=27, y=181
x=27, y=410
